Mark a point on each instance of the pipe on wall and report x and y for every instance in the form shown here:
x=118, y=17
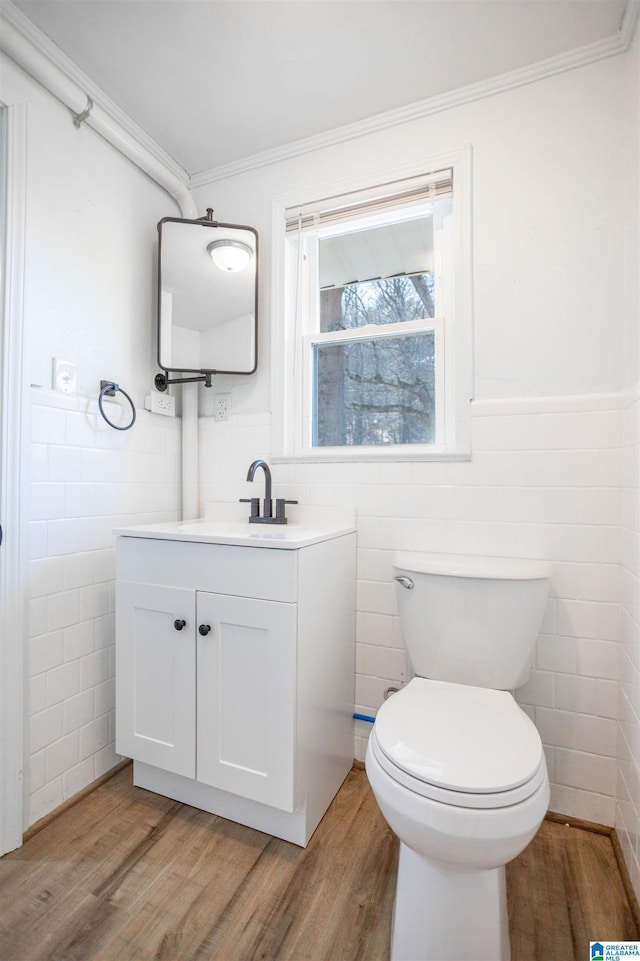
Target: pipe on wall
x=190, y=460
x=33, y=61
x=20, y=46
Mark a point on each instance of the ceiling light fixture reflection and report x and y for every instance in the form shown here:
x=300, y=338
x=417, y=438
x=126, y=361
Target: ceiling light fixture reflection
x=231, y=255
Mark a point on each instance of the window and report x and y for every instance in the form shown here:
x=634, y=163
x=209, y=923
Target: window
x=370, y=338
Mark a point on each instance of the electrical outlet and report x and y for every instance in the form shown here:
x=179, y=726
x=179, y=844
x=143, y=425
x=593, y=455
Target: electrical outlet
x=221, y=406
x=64, y=376
x=159, y=403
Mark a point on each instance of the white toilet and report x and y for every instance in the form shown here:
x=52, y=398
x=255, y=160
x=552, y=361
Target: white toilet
x=457, y=768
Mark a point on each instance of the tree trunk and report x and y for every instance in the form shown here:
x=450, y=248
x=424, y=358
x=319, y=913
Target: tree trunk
x=330, y=413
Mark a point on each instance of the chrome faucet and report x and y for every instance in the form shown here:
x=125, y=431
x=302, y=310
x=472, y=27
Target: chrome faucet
x=267, y=513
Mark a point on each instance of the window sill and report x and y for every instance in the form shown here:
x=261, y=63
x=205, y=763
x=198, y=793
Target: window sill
x=375, y=456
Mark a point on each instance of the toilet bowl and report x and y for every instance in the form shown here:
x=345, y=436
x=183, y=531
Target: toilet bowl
x=460, y=776
x=458, y=770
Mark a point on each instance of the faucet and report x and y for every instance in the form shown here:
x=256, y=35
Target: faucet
x=267, y=514
x=251, y=473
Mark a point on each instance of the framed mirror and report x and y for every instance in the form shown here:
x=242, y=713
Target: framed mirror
x=207, y=299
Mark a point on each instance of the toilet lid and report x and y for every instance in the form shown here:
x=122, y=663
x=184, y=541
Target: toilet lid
x=459, y=738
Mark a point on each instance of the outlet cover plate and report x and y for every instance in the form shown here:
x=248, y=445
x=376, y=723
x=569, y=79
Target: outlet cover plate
x=222, y=406
x=159, y=403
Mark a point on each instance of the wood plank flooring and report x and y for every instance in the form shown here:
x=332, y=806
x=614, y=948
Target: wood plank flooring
x=126, y=875
x=563, y=891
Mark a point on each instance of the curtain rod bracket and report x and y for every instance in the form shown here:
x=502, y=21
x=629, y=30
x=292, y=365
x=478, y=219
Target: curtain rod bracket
x=79, y=118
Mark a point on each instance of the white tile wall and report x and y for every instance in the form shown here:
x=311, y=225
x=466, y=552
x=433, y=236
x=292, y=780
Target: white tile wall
x=544, y=481
x=86, y=478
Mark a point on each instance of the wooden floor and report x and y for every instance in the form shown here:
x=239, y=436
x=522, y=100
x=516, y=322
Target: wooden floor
x=126, y=875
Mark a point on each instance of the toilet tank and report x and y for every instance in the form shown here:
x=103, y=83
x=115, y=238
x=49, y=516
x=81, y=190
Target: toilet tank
x=471, y=620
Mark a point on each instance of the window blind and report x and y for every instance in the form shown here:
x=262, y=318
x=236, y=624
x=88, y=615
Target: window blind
x=362, y=203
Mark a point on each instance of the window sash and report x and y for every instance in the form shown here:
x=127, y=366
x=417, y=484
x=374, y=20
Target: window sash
x=369, y=333
x=373, y=332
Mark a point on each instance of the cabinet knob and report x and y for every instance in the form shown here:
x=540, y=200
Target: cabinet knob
x=179, y=624
x=204, y=629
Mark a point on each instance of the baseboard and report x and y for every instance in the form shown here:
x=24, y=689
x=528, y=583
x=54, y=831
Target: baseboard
x=626, y=880
x=583, y=825
x=72, y=801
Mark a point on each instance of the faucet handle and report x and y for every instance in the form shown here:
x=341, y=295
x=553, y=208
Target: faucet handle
x=255, y=505
x=280, y=502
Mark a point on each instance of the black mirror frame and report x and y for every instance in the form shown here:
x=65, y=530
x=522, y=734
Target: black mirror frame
x=202, y=375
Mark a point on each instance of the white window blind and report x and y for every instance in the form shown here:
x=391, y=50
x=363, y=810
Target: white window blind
x=364, y=203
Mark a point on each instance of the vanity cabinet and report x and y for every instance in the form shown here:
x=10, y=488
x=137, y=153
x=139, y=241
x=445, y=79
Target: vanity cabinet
x=235, y=675
x=209, y=688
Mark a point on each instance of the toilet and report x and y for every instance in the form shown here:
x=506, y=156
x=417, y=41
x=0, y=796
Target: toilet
x=456, y=766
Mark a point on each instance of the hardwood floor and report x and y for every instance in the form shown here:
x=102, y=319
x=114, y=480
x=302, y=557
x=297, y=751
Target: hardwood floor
x=563, y=891
x=126, y=875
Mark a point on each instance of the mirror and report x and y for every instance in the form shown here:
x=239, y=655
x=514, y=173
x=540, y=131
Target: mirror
x=207, y=299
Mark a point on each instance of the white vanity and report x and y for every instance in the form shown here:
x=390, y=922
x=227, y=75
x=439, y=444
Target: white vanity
x=235, y=667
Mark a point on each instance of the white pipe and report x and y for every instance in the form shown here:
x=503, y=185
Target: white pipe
x=190, y=461
x=23, y=49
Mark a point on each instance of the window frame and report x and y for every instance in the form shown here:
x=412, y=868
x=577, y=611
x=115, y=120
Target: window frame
x=292, y=375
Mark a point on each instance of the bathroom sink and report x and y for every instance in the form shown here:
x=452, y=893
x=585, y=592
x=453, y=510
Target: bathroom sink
x=221, y=527
x=291, y=536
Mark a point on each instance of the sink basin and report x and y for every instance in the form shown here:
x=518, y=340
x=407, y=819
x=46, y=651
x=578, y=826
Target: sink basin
x=239, y=533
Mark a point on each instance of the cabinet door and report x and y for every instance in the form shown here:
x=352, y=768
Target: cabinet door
x=246, y=697
x=155, y=676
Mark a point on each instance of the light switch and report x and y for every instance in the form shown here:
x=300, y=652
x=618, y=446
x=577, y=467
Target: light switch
x=64, y=376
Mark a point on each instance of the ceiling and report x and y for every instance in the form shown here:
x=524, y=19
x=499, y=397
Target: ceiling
x=217, y=81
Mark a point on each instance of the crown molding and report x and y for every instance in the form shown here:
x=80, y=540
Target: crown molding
x=629, y=23
x=580, y=57
x=52, y=53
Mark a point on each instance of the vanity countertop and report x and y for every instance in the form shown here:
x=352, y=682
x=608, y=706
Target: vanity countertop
x=291, y=536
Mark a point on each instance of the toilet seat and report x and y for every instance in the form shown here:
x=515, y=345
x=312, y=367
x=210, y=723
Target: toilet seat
x=457, y=744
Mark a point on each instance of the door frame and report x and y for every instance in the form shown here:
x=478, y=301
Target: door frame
x=13, y=446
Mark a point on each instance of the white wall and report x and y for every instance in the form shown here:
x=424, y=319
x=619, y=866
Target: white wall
x=89, y=262
x=628, y=781
x=548, y=202
x=553, y=325
x=90, y=259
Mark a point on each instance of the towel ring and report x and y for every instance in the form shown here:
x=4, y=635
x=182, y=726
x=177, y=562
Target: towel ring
x=110, y=388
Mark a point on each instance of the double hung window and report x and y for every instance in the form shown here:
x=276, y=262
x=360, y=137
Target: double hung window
x=369, y=323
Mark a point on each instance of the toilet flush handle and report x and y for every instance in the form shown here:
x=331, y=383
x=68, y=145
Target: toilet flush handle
x=405, y=581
